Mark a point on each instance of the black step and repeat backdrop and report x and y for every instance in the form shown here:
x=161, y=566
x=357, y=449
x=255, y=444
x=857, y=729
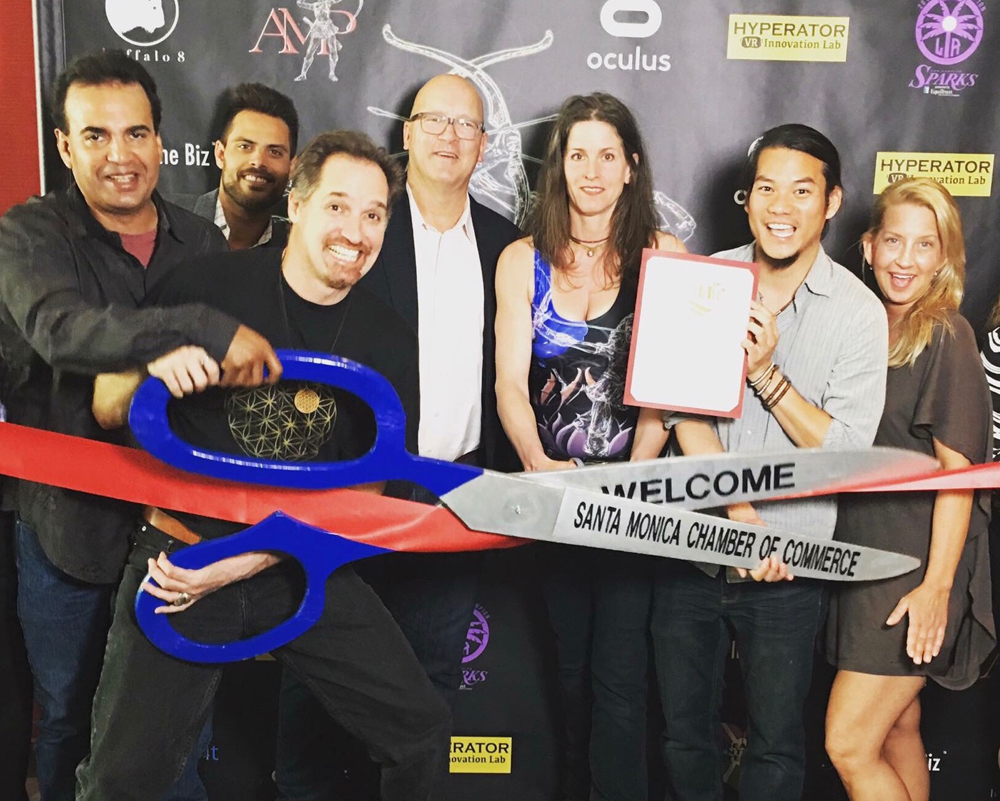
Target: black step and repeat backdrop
x=903, y=87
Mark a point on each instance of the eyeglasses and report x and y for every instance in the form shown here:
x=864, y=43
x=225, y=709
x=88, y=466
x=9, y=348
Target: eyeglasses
x=434, y=124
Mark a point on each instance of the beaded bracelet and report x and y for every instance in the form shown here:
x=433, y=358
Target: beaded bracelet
x=779, y=395
x=762, y=378
x=772, y=384
x=767, y=399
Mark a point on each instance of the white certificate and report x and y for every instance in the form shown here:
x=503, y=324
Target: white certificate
x=691, y=316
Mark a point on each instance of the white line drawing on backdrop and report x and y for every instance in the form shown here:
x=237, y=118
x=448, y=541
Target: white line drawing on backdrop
x=501, y=177
x=323, y=30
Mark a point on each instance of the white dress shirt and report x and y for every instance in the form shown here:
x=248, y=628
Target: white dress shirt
x=450, y=328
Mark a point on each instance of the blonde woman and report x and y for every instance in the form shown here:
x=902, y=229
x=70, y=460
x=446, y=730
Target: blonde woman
x=887, y=637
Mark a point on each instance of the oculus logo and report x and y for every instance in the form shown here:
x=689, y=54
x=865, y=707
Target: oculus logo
x=613, y=9
x=618, y=19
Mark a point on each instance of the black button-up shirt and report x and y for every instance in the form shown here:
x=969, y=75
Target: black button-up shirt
x=69, y=298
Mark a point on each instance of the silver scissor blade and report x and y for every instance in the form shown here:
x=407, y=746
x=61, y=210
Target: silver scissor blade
x=705, y=482
x=515, y=506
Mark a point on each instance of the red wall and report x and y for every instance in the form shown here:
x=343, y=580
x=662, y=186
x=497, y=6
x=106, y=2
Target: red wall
x=18, y=124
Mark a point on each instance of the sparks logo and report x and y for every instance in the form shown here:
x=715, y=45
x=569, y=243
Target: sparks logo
x=630, y=29
x=478, y=636
x=947, y=33
x=318, y=35
x=476, y=640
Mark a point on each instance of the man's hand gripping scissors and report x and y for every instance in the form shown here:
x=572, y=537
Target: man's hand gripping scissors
x=567, y=507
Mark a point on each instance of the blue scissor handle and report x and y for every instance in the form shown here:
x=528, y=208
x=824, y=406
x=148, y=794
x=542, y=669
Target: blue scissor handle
x=319, y=553
x=388, y=458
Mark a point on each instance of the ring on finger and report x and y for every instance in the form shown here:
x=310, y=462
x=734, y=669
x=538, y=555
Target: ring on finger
x=181, y=600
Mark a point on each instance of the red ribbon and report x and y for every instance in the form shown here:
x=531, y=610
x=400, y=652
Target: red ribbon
x=126, y=474
x=977, y=476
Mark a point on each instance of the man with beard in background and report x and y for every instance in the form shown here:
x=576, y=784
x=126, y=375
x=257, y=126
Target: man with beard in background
x=260, y=130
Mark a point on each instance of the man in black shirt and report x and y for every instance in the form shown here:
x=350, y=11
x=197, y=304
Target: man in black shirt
x=437, y=269
x=74, y=267
x=355, y=658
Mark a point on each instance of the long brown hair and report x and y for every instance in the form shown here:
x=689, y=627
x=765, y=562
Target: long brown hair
x=947, y=286
x=634, y=220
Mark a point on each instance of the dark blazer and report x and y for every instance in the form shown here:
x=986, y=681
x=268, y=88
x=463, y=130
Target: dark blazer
x=393, y=279
x=204, y=206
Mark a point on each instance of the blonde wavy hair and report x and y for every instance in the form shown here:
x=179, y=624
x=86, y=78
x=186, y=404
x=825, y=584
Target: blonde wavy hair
x=948, y=284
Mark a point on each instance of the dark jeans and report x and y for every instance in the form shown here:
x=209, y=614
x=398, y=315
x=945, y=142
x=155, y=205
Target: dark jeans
x=65, y=624
x=150, y=707
x=774, y=626
x=599, y=606
x=65, y=630
x=431, y=597
x=15, y=677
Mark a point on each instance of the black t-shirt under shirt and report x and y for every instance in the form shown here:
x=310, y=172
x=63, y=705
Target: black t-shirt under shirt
x=292, y=420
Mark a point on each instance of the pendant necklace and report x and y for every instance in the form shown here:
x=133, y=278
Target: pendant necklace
x=592, y=245
x=307, y=400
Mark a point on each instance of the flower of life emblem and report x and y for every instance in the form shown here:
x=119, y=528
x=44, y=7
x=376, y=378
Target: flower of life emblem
x=948, y=33
x=306, y=400
x=288, y=421
x=502, y=180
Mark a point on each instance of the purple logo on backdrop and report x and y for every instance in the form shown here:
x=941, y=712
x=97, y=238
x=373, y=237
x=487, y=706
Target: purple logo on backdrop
x=478, y=636
x=949, y=32
x=476, y=640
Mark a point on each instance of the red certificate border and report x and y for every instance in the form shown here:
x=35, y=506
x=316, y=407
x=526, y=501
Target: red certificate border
x=649, y=253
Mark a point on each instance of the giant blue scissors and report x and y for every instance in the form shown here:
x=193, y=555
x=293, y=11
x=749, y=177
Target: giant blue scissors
x=603, y=506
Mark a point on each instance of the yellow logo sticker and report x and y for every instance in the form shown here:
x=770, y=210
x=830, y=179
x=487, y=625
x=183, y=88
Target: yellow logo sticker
x=480, y=755
x=962, y=174
x=769, y=37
